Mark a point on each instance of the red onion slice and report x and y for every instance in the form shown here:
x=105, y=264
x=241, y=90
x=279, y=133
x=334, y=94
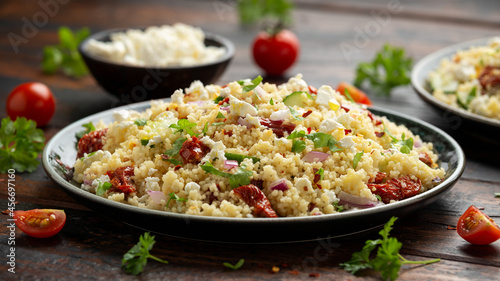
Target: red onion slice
x=157, y=196
x=279, y=185
x=356, y=201
x=199, y=103
x=260, y=91
x=244, y=122
x=229, y=164
x=315, y=156
x=225, y=108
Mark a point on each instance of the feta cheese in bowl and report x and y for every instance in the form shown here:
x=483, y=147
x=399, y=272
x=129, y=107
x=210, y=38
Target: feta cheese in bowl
x=136, y=65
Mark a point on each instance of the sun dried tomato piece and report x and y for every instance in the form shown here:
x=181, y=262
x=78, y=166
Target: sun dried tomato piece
x=258, y=183
x=379, y=178
x=490, y=77
x=307, y=113
x=91, y=142
x=254, y=197
x=121, y=179
x=279, y=128
x=424, y=157
x=193, y=150
x=312, y=89
x=396, y=189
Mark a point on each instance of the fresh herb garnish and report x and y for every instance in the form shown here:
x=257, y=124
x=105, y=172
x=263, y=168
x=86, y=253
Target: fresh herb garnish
x=357, y=158
x=89, y=127
x=348, y=96
x=405, y=145
x=255, y=83
x=88, y=155
x=271, y=102
x=298, y=146
x=297, y=134
x=239, y=178
x=240, y=158
x=141, y=122
x=144, y=142
x=339, y=208
x=379, y=198
x=20, y=144
x=220, y=115
x=102, y=187
x=321, y=173
x=184, y=125
x=324, y=140
x=388, y=261
x=465, y=103
x=389, y=69
x=175, y=197
x=65, y=56
x=176, y=147
x=218, y=99
x=136, y=258
x=174, y=161
x=205, y=129
x=236, y=266
x=295, y=114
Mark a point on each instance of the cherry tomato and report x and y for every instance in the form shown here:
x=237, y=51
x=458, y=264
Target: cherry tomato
x=40, y=223
x=356, y=94
x=275, y=53
x=32, y=100
x=477, y=228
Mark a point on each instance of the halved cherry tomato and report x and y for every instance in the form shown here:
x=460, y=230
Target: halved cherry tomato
x=356, y=94
x=40, y=223
x=32, y=100
x=477, y=228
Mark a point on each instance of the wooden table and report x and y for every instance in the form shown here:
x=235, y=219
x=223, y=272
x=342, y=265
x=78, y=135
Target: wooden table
x=90, y=246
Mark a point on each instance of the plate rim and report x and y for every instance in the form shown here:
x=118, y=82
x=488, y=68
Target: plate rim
x=69, y=187
x=435, y=58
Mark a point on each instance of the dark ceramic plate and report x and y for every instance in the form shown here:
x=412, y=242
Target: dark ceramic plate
x=462, y=119
x=256, y=230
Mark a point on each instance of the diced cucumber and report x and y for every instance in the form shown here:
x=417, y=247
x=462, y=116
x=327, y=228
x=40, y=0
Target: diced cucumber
x=296, y=99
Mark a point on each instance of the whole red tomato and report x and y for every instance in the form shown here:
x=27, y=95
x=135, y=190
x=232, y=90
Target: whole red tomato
x=32, y=100
x=275, y=53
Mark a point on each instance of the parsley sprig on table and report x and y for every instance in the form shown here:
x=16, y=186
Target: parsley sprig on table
x=20, y=144
x=136, y=258
x=65, y=56
x=387, y=261
x=389, y=69
x=235, y=266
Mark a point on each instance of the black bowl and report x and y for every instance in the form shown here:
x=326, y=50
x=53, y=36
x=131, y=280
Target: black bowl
x=136, y=83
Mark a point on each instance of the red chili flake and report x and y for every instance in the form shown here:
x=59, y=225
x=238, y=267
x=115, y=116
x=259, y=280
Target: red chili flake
x=317, y=177
x=319, y=186
x=313, y=274
x=279, y=128
x=91, y=142
x=396, y=189
x=312, y=89
x=309, y=130
x=379, y=134
x=228, y=133
x=225, y=100
x=293, y=272
x=449, y=227
x=347, y=131
x=307, y=113
x=177, y=167
x=255, y=198
x=376, y=121
x=121, y=179
x=193, y=150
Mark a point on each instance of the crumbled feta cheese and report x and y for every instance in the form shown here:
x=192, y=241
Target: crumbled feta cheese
x=345, y=119
x=152, y=171
x=95, y=183
x=326, y=97
x=217, y=150
x=124, y=125
x=121, y=115
x=280, y=115
x=179, y=44
x=252, y=120
x=465, y=71
x=155, y=140
x=191, y=186
x=241, y=108
x=197, y=88
x=296, y=84
x=152, y=183
x=329, y=125
x=347, y=142
x=178, y=97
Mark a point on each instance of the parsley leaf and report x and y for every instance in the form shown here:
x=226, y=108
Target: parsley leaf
x=239, y=178
x=324, y=140
x=390, y=68
x=388, y=261
x=339, y=208
x=175, y=197
x=136, y=258
x=239, y=157
x=103, y=187
x=295, y=114
x=174, y=161
x=348, y=96
x=144, y=142
x=298, y=146
x=255, y=83
x=218, y=99
x=297, y=134
x=321, y=173
x=141, y=122
x=357, y=158
x=220, y=115
x=404, y=145
x=236, y=266
x=183, y=125
x=89, y=127
x=176, y=147
x=20, y=144
x=65, y=56
x=205, y=129
x=271, y=102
